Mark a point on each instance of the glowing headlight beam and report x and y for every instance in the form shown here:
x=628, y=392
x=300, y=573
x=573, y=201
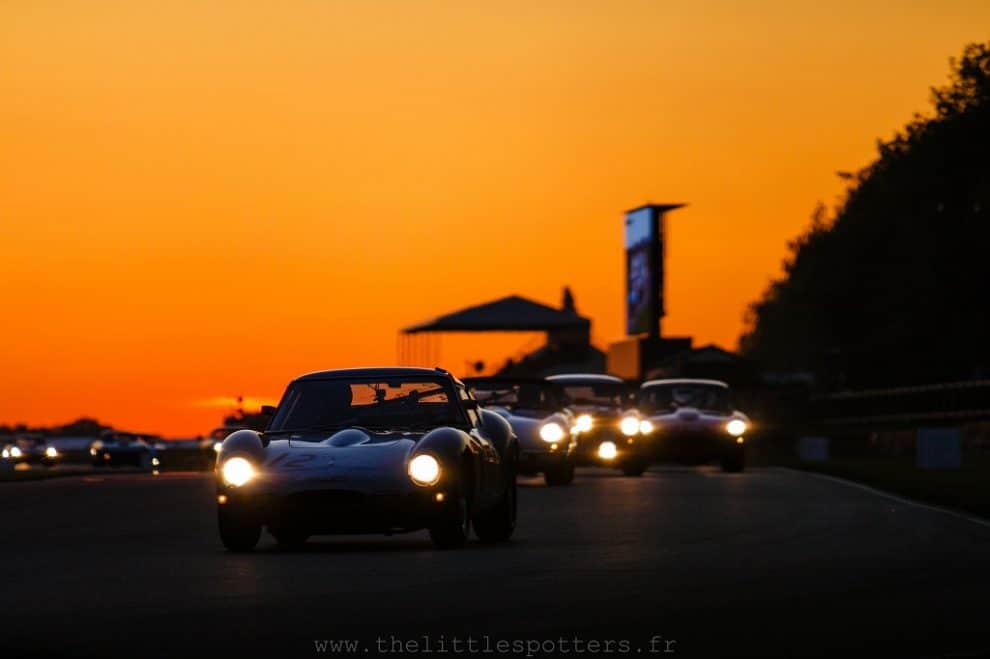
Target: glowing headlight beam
x=424, y=470
x=237, y=471
x=551, y=432
x=585, y=423
x=216, y=446
x=50, y=452
x=645, y=427
x=607, y=451
x=735, y=427
x=15, y=452
x=629, y=426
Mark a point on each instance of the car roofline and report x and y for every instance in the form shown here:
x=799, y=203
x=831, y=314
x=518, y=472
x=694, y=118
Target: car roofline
x=585, y=377
x=376, y=372
x=495, y=379
x=663, y=382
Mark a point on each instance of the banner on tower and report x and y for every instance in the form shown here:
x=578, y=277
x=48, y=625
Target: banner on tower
x=644, y=276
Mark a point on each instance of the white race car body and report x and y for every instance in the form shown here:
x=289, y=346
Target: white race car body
x=544, y=426
x=694, y=421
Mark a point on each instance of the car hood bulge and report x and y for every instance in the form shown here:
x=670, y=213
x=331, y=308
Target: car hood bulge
x=347, y=459
x=598, y=411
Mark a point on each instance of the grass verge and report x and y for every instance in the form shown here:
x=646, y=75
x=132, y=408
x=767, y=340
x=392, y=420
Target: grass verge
x=965, y=489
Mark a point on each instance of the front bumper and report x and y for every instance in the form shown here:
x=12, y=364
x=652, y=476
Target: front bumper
x=638, y=447
x=695, y=446
x=340, y=511
x=120, y=458
x=535, y=461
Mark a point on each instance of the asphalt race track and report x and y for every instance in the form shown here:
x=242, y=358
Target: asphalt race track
x=765, y=563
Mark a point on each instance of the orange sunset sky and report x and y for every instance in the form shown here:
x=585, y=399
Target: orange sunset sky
x=204, y=199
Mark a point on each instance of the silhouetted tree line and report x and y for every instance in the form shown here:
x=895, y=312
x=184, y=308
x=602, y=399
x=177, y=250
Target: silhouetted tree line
x=81, y=427
x=892, y=288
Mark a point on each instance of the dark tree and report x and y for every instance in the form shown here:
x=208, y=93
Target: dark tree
x=81, y=427
x=893, y=288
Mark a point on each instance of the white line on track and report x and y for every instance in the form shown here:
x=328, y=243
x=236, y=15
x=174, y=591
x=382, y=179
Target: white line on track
x=893, y=497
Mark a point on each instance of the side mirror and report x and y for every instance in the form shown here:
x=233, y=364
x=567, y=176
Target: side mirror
x=268, y=410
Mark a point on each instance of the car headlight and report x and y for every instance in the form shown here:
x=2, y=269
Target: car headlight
x=645, y=426
x=607, y=450
x=551, y=432
x=237, y=471
x=424, y=470
x=216, y=446
x=629, y=426
x=50, y=452
x=15, y=452
x=5, y=453
x=735, y=427
x=585, y=422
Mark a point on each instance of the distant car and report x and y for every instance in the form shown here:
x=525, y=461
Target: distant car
x=370, y=450
x=694, y=421
x=538, y=413
x=30, y=449
x=612, y=433
x=115, y=448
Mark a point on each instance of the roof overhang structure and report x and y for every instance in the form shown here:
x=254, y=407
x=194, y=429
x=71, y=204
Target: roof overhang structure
x=507, y=314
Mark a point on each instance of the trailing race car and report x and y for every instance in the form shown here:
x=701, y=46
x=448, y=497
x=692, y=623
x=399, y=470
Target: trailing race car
x=537, y=411
x=370, y=450
x=115, y=448
x=611, y=431
x=694, y=422
x=30, y=449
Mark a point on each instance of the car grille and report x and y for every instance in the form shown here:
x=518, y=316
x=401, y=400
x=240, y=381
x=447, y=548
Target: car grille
x=329, y=498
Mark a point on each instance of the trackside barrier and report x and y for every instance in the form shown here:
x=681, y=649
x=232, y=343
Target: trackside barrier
x=939, y=448
x=813, y=448
x=948, y=403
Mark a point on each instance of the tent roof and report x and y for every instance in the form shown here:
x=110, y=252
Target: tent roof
x=507, y=314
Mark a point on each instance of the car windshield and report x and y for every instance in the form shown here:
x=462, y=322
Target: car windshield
x=705, y=397
x=376, y=404
x=606, y=394
x=118, y=438
x=537, y=396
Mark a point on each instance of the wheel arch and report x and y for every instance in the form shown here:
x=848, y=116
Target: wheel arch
x=501, y=435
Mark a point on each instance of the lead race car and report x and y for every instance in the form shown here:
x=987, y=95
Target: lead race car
x=370, y=450
x=694, y=422
x=612, y=432
x=538, y=413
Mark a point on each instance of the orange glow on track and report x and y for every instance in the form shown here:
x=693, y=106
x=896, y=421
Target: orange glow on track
x=202, y=200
